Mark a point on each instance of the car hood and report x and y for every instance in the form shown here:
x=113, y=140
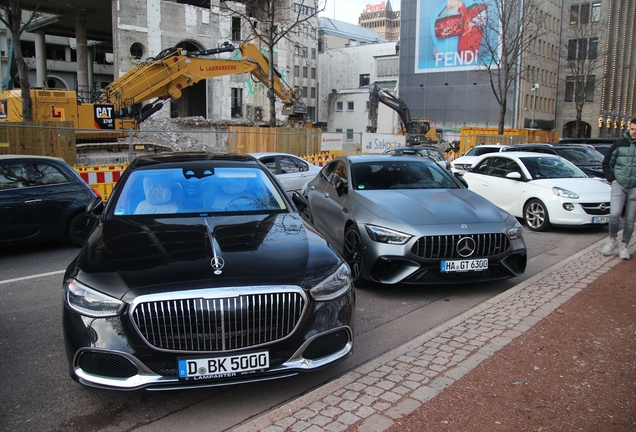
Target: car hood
x=430, y=206
x=580, y=186
x=169, y=254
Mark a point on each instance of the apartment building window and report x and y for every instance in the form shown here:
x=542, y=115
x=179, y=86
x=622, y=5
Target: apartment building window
x=313, y=53
x=313, y=92
x=572, y=44
x=593, y=51
x=305, y=52
x=349, y=134
x=313, y=73
x=596, y=12
x=296, y=51
x=237, y=102
x=339, y=107
x=365, y=80
x=350, y=106
x=572, y=87
x=236, y=29
x=338, y=130
x=582, y=49
x=574, y=14
x=585, y=13
x=311, y=113
x=305, y=91
x=296, y=71
x=304, y=71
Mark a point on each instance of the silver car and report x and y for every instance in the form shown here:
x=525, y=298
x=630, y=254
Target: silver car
x=292, y=172
x=404, y=219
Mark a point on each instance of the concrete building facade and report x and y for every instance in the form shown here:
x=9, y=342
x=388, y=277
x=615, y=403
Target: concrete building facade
x=599, y=53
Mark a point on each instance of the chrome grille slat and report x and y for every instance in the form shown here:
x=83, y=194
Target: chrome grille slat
x=445, y=247
x=218, y=324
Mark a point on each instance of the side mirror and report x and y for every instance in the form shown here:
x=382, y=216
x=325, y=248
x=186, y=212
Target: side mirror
x=299, y=201
x=341, y=186
x=514, y=175
x=95, y=207
x=460, y=176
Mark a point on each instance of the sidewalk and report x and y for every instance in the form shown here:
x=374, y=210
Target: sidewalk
x=405, y=389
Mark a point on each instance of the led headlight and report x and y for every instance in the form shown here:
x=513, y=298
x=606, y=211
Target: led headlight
x=385, y=235
x=336, y=285
x=89, y=302
x=516, y=231
x=564, y=193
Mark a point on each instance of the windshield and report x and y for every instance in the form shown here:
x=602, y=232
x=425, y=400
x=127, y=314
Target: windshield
x=551, y=168
x=178, y=190
x=380, y=175
x=581, y=156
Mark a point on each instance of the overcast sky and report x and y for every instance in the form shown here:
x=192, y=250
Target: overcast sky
x=350, y=10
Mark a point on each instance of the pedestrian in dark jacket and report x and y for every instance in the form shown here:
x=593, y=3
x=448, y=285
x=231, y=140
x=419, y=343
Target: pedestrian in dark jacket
x=619, y=166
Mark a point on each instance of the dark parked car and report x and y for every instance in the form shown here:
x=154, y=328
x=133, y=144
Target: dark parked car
x=602, y=145
x=584, y=156
x=404, y=219
x=200, y=272
x=430, y=152
x=42, y=198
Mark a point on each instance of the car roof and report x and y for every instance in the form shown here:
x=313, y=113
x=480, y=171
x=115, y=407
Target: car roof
x=521, y=154
x=587, y=140
x=184, y=157
x=262, y=154
x=26, y=157
x=375, y=157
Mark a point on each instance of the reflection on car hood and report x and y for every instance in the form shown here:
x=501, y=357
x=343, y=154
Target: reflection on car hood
x=430, y=206
x=172, y=254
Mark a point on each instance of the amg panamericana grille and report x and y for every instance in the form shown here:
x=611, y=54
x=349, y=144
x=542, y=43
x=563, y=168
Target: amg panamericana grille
x=445, y=246
x=218, y=324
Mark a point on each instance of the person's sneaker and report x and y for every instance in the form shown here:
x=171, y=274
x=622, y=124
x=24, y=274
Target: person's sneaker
x=623, y=252
x=610, y=247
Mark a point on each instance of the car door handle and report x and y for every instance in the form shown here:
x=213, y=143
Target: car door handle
x=33, y=201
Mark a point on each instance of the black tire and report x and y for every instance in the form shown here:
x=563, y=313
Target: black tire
x=352, y=254
x=79, y=228
x=536, y=216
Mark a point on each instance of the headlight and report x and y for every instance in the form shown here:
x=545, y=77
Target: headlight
x=516, y=231
x=89, y=302
x=334, y=286
x=564, y=193
x=385, y=235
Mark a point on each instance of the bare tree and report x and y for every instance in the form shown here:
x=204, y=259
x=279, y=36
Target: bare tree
x=274, y=21
x=510, y=29
x=584, y=65
x=12, y=19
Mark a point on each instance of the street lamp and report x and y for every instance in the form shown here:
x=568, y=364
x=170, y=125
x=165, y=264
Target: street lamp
x=534, y=90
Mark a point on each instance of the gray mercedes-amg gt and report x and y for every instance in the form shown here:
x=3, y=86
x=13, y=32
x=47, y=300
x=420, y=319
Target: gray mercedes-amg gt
x=404, y=219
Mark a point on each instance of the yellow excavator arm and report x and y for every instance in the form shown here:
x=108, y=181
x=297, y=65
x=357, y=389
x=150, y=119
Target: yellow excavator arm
x=165, y=76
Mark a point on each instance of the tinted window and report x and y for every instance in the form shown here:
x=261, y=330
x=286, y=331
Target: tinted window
x=581, y=156
x=176, y=191
x=292, y=165
x=20, y=175
x=400, y=175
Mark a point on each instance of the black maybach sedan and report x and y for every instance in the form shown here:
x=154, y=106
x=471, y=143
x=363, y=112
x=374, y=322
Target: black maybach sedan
x=201, y=272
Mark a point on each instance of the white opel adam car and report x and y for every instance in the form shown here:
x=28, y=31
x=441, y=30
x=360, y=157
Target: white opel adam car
x=543, y=189
x=466, y=161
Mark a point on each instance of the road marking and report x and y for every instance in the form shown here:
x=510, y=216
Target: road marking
x=31, y=277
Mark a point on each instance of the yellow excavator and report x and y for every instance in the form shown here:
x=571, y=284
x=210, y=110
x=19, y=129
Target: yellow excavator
x=154, y=82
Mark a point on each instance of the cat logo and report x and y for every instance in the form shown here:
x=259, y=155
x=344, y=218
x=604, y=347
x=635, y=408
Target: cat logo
x=103, y=112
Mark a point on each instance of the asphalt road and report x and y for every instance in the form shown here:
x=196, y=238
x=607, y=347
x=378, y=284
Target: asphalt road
x=37, y=393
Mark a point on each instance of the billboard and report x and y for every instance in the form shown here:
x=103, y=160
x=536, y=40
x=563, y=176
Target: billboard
x=450, y=34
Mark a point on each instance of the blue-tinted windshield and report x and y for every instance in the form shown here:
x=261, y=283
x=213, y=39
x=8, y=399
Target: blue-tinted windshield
x=176, y=191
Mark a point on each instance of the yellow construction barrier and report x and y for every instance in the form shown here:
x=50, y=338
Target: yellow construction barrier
x=102, y=178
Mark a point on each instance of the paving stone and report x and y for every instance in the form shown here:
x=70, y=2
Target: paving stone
x=407, y=406
x=375, y=423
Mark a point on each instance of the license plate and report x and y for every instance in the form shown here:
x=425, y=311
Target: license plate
x=600, y=219
x=222, y=367
x=464, y=265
